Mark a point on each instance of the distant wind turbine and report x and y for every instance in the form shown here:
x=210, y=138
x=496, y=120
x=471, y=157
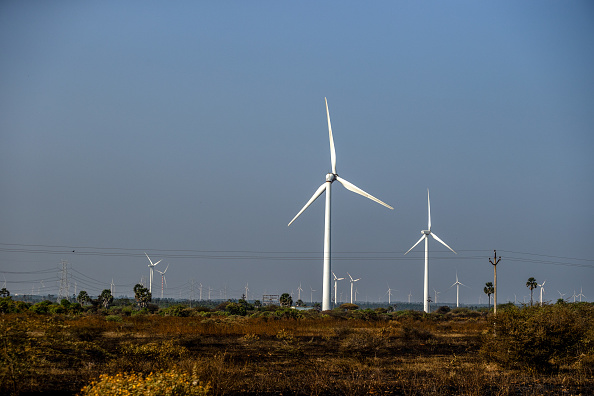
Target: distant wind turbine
x=409, y=295
x=581, y=295
x=152, y=269
x=457, y=284
x=436, y=293
x=311, y=295
x=163, y=280
x=326, y=187
x=247, y=289
x=561, y=295
x=425, y=236
x=335, y=286
x=299, y=290
x=352, y=282
x=389, y=293
x=542, y=290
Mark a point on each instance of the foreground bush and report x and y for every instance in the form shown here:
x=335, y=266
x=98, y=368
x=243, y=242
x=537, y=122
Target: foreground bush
x=543, y=338
x=171, y=382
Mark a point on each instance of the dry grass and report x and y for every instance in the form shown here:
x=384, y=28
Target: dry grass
x=320, y=355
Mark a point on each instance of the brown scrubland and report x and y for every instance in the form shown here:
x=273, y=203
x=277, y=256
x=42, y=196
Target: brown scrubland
x=274, y=351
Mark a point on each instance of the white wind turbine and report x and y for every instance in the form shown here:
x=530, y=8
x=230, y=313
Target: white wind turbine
x=152, y=269
x=311, y=295
x=247, y=289
x=436, y=293
x=425, y=236
x=580, y=295
x=389, y=293
x=336, y=286
x=561, y=295
x=409, y=295
x=352, y=282
x=326, y=187
x=163, y=280
x=299, y=290
x=457, y=284
x=542, y=291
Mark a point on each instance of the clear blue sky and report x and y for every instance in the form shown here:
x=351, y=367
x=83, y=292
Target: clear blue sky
x=195, y=131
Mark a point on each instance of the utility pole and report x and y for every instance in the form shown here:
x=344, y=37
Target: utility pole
x=495, y=261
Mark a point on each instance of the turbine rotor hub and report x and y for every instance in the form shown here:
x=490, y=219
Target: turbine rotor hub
x=426, y=232
x=330, y=177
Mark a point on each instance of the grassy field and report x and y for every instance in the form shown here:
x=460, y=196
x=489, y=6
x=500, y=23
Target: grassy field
x=526, y=351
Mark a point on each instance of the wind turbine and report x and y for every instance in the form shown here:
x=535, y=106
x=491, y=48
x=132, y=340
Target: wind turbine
x=152, y=268
x=352, y=282
x=247, y=289
x=425, y=236
x=561, y=295
x=326, y=187
x=409, y=295
x=542, y=291
x=389, y=293
x=457, y=284
x=335, y=286
x=163, y=280
x=580, y=295
x=311, y=295
x=436, y=293
x=299, y=290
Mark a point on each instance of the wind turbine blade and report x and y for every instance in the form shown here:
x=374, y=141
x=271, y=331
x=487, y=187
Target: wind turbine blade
x=166, y=268
x=428, y=211
x=357, y=280
x=318, y=192
x=147, y=256
x=332, y=149
x=415, y=244
x=350, y=276
x=442, y=242
x=353, y=188
x=157, y=262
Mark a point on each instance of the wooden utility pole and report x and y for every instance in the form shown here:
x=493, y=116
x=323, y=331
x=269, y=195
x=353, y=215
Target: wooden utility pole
x=495, y=262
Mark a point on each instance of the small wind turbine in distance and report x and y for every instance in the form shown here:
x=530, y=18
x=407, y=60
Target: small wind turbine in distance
x=581, y=295
x=352, y=282
x=163, y=280
x=335, y=286
x=247, y=289
x=389, y=293
x=326, y=186
x=561, y=295
x=311, y=295
x=542, y=291
x=152, y=269
x=299, y=290
x=457, y=284
x=436, y=293
x=409, y=295
x=425, y=236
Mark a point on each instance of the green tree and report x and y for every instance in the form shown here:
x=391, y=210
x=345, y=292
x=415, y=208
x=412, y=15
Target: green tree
x=4, y=292
x=142, y=295
x=489, y=289
x=300, y=303
x=83, y=297
x=286, y=300
x=531, y=284
x=105, y=298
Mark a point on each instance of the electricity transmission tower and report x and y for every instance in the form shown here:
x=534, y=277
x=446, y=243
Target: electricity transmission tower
x=64, y=283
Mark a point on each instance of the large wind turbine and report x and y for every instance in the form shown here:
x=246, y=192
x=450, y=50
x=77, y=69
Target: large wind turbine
x=352, y=282
x=542, y=290
x=326, y=187
x=152, y=269
x=425, y=236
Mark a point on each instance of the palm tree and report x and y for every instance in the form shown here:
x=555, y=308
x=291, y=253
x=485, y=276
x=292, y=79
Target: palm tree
x=531, y=284
x=489, y=289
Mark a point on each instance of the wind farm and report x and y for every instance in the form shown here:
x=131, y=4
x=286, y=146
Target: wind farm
x=190, y=136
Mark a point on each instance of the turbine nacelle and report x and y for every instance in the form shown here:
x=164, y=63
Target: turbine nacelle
x=330, y=177
x=426, y=232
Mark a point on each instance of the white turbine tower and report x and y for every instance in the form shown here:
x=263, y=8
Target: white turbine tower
x=389, y=293
x=425, y=236
x=580, y=295
x=311, y=295
x=152, y=269
x=409, y=295
x=163, y=280
x=436, y=293
x=336, y=286
x=299, y=290
x=457, y=284
x=326, y=187
x=247, y=289
x=352, y=282
x=542, y=291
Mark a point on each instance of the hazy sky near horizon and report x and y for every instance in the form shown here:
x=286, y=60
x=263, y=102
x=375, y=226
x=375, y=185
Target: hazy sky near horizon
x=195, y=131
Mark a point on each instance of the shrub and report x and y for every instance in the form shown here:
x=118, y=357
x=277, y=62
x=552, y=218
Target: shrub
x=541, y=338
x=113, y=318
x=170, y=382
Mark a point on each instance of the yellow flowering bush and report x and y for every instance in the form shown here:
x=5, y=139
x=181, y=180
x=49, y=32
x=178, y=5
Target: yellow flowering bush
x=165, y=383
